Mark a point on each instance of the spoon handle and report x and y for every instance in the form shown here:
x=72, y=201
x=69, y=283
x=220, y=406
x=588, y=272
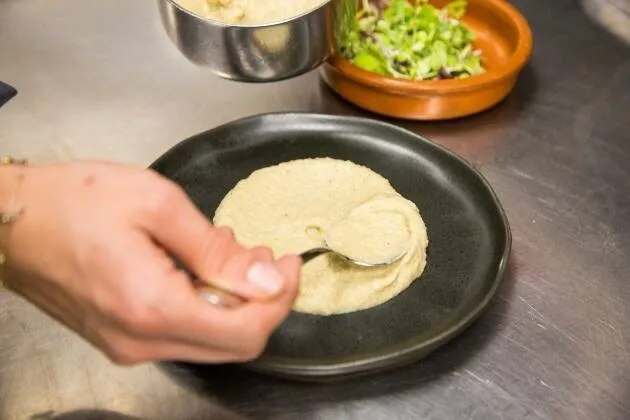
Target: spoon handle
x=221, y=297
x=313, y=253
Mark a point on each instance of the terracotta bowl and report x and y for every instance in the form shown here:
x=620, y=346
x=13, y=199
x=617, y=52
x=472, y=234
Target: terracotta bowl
x=505, y=39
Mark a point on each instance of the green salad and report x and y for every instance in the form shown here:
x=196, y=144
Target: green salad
x=412, y=40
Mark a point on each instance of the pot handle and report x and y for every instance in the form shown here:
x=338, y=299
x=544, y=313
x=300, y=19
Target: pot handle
x=7, y=92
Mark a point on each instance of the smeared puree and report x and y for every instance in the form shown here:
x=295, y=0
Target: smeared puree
x=302, y=204
x=374, y=233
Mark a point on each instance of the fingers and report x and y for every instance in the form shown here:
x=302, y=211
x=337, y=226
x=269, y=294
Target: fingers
x=273, y=314
x=250, y=274
x=211, y=253
x=159, y=303
x=179, y=315
x=251, y=324
x=243, y=330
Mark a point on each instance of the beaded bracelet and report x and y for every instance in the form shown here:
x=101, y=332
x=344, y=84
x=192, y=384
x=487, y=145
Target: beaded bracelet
x=13, y=211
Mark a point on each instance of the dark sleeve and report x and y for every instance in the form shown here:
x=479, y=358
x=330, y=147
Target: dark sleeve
x=6, y=93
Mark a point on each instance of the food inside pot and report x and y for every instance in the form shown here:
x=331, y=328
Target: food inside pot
x=249, y=12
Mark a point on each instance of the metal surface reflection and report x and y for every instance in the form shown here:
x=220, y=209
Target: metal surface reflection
x=100, y=79
x=613, y=15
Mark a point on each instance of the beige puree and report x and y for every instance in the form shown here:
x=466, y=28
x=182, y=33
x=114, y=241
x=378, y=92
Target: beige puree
x=297, y=205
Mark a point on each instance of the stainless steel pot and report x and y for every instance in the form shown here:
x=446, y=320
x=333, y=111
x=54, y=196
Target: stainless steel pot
x=256, y=53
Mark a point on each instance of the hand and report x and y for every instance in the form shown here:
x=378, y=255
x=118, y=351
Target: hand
x=89, y=251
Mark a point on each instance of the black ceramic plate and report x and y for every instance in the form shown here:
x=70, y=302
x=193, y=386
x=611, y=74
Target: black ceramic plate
x=469, y=237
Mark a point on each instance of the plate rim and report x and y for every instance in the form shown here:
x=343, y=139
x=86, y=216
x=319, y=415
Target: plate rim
x=303, y=369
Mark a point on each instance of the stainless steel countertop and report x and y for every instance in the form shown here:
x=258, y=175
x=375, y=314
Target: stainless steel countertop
x=100, y=80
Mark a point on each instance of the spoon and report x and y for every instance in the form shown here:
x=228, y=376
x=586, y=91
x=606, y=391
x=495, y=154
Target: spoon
x=216, y=295
x=316, y=252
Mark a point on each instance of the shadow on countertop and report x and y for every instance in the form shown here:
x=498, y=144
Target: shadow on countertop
x=247, y=393
x=85, y=414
